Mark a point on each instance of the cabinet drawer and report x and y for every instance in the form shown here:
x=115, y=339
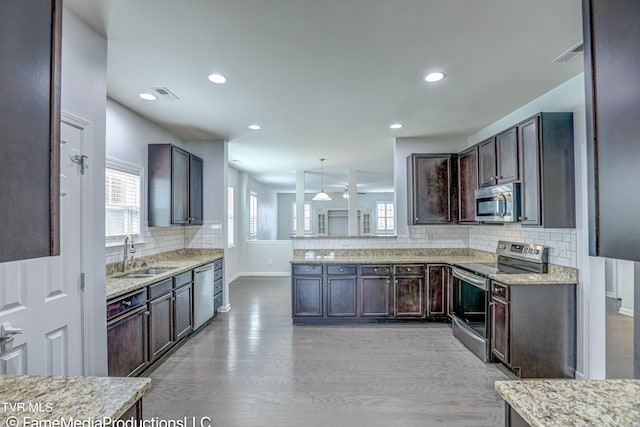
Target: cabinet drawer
x=217, y=275
x=217, y=287
x=126, y=303
x=343, y=270
x=161, y=288
x=217, y=265
x=217, y=302
x=376, y=270
x=499, y=290
x=183, y=279
x=409, y=270
x=307, y=270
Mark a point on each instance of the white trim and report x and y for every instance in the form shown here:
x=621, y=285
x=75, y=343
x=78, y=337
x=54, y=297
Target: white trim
x=580, y=376
x=611, y=295
x=224, y=308
x=234, y=277
x=625, y=311
x=87, y=242
x=270, y=273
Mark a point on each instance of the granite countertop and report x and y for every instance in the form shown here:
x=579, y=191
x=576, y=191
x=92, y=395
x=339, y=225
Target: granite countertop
x=557, y=275
x=54, y=398
x=551, y=403
x=180, y=261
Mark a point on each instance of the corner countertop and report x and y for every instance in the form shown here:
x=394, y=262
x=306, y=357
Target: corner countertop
x=551, y=403
x=179, y=261
x=55, y=398
x=557, y=275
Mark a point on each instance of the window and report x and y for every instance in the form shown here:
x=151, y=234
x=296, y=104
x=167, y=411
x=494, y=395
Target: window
x=307, y=217
x=230, y=223
x=386, y=216
x=253, y=216
x=122, y=200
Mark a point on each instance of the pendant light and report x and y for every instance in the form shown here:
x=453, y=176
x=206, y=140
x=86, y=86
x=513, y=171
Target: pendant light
x=321, y=196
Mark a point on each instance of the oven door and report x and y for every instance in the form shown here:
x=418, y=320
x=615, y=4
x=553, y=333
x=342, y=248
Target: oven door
x=469, y=322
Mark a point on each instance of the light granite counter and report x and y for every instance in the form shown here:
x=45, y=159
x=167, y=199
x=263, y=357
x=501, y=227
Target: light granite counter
x=551, y=403
x=557, y=274
x=55, y=398
x=179, y=261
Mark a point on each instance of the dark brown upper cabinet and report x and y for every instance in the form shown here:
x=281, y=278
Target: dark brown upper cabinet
x=547, y=189
x=498, y=159
x=30, y=34
x=612, y=67
x=175, y=186
x=467, y=184
x=432, y=188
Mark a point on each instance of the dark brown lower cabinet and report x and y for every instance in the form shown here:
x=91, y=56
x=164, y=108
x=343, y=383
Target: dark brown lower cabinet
x=161, y=336
x=127, y=343
x=341, y=296
x=307, y=296
x=374, y=296
x=408, y=297
x=499, y=307
x=437, y=289
x=183, y=312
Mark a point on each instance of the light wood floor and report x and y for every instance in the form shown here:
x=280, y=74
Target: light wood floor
x=619, y=342
x=252, y=367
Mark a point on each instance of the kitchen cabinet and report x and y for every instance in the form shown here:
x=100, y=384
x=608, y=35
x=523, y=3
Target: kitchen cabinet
x=467, y=184
x=30, y=35
x=307, y=290
x=175, y=186
x=341, y=290
x=127, y=334
x=498, y=159
x=375, y=290
x=408, y=291
x=161, y=334
x=547, y=194
x=432, y=188
x=437, y=290
x=183, y=313
x=612, y=67
x=533, y=329
x=218, y=285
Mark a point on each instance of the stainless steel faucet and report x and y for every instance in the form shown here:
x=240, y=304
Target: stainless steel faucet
x=128, y=249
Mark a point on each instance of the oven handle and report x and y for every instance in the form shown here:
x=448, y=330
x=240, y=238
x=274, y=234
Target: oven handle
x=472, y=280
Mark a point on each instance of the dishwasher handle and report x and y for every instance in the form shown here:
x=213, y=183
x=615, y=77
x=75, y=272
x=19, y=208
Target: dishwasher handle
x=204, y=268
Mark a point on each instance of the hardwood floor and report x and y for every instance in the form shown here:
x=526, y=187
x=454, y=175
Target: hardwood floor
x=619, y=348
x=252, y=367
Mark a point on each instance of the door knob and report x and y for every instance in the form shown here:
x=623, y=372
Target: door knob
x=7, y=332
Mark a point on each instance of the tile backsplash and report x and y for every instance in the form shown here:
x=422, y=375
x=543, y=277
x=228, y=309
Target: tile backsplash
x=561, y=242
x=165, y=239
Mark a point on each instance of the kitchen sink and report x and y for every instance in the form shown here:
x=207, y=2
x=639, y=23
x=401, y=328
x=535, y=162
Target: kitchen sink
x=150, y=272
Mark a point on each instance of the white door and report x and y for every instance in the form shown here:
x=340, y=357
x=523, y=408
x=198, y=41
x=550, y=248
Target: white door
x=43, y=296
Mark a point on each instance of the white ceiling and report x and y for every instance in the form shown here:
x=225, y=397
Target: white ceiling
x=326, y=78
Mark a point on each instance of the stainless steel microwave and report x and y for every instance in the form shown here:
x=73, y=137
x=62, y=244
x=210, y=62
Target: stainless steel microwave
x=499, y=203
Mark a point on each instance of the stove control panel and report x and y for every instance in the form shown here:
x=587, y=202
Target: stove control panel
x=524, y=251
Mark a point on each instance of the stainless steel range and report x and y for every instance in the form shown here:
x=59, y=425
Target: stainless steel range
x=470, y=320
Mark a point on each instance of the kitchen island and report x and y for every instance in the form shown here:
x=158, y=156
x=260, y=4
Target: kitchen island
x=31, y=398
x=549, y=403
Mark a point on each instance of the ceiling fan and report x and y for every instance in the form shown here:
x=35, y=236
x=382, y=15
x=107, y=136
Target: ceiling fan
x=345, y=194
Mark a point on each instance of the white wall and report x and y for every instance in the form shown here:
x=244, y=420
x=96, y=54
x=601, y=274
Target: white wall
x=233, y=254
x=267, y=258
x=267, y=209
x=84, y=94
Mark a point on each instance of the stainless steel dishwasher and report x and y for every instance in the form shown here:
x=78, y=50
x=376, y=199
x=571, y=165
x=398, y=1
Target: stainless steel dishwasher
x=203, y=295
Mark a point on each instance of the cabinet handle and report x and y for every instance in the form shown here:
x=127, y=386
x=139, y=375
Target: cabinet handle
x=498, y=177
x=342, y=269
x=173, y=298
x=147, y=313
x=492, y=303
x=126, y=303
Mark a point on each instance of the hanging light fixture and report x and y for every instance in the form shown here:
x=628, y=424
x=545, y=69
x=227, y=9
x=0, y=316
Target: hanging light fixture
x=345, y=195
x=321, y=196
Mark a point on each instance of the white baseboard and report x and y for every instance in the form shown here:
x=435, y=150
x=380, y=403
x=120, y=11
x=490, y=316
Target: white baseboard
x=579, y=375
x=626, y=311
x=611, y=295
x=234, y=277
x=270, y=274
x=224, y=308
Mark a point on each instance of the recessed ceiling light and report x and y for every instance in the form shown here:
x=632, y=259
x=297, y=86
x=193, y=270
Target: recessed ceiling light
x=395, y=126
x=217, y=79
x=147, y=96
x=255, y=127
x=434, y=77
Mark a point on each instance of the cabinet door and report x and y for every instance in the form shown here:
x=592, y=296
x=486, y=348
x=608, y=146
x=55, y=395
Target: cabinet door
x=468, y=183
x=374, y=296
x=487, y=163
x=507, y=156
x=530, y=164
x=437, y=284
x=127, y=344
x=160, y=325
x=409, y=300
x=307, y=296
x=341, y=296
x=183, y=313
x=195, y=189
x=179, y=186
x=431, y=188
x=500, y=329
